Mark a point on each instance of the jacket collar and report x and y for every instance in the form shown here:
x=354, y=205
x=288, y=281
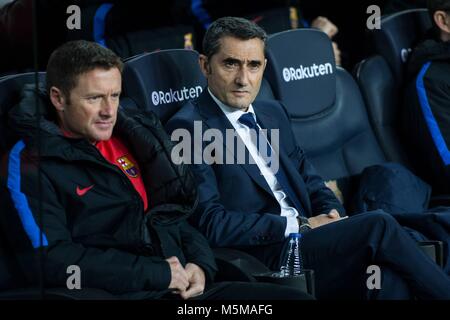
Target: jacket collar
x=429, y=50
x=212, y=114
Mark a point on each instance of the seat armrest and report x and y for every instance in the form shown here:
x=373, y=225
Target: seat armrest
x=434, y=249
x=305, y=281
x=440, y=200
x=236, y=265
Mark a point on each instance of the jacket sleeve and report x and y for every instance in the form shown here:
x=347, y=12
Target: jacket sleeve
x=222, y=227
x=110, y=269
x=197, y=250
x=431, y=117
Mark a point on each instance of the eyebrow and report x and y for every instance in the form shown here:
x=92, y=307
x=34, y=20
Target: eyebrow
x=99, y=94
x=234, y=60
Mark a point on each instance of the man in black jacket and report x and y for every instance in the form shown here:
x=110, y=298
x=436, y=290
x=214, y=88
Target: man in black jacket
x=110, y=199
x=426, y=113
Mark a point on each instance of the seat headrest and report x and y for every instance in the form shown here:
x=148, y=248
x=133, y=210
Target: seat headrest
x=10, y=93
x=265, y=91
x=163, y=81
x=301, y=70
x=398, y=35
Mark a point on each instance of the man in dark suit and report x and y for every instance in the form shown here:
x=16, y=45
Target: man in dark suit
x=255, y=205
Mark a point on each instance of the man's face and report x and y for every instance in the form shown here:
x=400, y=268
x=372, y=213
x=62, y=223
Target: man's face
x=234, y=73
x=92, y=110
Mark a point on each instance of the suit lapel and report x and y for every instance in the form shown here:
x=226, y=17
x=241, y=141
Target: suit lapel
x=267, y=121
x=214, y=118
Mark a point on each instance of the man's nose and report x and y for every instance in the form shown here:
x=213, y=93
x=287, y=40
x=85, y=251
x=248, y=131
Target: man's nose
x=242, y=77
x=107, y=108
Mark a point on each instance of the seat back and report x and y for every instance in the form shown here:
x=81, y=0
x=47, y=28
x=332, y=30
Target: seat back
x=326, y=110
x=398, y=35
x=10, y=89
x=327, y=113
x=380, y=91
x=132, y=43
x=277, y=19
x=381, y=77
x=162, y=81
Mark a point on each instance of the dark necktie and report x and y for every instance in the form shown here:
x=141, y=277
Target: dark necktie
x=248, y=120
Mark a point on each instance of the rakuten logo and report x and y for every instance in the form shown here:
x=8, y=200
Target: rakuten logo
x=161, y=97
x=291, y=74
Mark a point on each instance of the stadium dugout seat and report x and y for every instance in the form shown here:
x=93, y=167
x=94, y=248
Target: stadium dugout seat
x=381, y=81
x=278, y=19
x=327, y=112
x=12, y=283
x=129, y=30
x=398, y=35
x=162, y=81
x=381, y=76
x=10, y=89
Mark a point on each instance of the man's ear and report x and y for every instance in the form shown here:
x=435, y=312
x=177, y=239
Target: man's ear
x=442, y=21
x=57, y=98
x=204, y=64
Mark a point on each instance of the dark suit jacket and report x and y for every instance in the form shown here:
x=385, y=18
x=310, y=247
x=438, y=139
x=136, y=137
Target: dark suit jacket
x=236, y=205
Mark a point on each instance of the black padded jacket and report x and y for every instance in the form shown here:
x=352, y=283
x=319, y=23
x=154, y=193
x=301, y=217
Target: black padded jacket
x=105, y=231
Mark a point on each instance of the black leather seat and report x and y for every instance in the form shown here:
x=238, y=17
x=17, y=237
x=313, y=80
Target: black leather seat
x=398, y=35
x=129, y=30
x=10, y=88
x=327, y=113
x=380, y=77
x=381, y=90
x=162, y=81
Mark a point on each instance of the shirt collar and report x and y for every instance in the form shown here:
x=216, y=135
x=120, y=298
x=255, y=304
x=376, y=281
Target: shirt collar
x=233, y=114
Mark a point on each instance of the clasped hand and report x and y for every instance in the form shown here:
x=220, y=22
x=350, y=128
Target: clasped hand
x=189, y=281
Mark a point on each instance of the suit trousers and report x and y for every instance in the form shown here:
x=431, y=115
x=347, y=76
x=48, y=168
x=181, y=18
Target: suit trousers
x=341, y=252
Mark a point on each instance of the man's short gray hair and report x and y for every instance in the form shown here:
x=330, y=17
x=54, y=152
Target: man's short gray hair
x=230, y=26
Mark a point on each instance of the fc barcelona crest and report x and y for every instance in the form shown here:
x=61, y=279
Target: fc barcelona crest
x=128, y=167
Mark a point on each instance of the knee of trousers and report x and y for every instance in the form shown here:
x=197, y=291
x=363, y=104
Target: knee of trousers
x=381, y=219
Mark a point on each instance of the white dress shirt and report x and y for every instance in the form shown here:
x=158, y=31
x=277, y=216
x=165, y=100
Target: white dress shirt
x=233, y=115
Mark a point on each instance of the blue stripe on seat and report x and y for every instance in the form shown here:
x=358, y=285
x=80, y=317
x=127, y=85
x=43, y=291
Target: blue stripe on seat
x=430, y=120
x=305, y=23
x=200, y=12
x=20, y=200
x=99, y=23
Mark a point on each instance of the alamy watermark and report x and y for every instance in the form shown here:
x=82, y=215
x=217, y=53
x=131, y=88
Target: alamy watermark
x=74, y=20
x=374, y=20
x=74, y=279
x=211, y=146
x=374, y=280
